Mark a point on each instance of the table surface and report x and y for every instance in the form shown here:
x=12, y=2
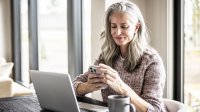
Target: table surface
x=30, y=103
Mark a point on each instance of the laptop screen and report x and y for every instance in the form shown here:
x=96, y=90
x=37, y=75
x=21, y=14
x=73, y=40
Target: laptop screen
x=54, y=91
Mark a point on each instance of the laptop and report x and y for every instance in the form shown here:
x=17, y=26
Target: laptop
x=55, y=92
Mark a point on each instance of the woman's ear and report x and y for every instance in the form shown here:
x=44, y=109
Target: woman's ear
x=138, y=25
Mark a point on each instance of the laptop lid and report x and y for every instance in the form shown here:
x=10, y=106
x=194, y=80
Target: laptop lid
x=54, y=91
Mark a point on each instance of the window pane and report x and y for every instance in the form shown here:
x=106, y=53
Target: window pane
x=24, y=42
x=86, y=10
x=192, y=54
x=52, y=35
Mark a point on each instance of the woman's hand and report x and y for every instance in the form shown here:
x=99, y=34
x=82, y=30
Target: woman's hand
x=94, y=82
x=111, y=78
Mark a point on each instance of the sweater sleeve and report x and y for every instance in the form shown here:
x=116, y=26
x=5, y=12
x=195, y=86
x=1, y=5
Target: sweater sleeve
x=81, y=79
x=154, y=81
x=78, y=80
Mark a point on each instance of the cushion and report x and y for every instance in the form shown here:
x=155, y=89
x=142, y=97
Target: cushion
x=2, y=60
x=5, y=69
x=5, y=87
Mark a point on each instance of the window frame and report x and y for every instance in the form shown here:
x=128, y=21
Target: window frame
x=74, y=27
x=178, y=17
x=16, y=39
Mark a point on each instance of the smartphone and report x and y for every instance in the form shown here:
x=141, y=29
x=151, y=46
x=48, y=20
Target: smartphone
x=93, y=68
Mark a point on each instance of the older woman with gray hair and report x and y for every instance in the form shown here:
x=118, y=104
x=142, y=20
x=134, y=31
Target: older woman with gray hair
x=127, y=65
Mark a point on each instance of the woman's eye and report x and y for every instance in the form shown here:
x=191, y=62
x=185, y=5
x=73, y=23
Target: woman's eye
x=124, y=27
x=113, y=27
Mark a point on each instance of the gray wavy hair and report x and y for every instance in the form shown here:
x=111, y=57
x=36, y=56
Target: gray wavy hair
x=111, y=51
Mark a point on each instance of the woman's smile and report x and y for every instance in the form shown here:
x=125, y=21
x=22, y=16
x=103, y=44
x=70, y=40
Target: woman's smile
x=119, y=38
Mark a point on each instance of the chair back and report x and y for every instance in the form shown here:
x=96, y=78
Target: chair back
x=174, y=106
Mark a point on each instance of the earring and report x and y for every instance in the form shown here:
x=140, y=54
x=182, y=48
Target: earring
x=134, y=34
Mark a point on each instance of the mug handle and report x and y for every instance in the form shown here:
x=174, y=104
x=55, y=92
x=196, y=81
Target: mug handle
x=132, y=107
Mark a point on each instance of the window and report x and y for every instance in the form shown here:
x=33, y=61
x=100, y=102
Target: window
x=86, y=4
x=24, y=42
x=192, y=54
x=45, y=35
x=52, y=35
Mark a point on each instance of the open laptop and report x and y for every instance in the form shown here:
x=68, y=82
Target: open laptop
x=55, y=92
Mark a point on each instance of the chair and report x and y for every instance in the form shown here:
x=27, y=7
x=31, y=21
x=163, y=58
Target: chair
x=174, y=106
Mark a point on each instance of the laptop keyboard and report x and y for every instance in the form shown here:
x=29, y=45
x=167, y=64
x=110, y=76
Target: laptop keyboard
x=20, y=105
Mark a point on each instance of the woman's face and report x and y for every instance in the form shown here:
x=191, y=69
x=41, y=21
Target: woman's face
x=122, y=29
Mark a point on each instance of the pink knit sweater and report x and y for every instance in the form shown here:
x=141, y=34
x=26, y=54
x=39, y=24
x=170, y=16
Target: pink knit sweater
x=147, y=80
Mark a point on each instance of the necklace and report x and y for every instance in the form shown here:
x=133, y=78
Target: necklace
x=122, y=58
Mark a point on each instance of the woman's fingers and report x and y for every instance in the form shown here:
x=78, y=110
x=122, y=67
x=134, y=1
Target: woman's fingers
x=106, y=67
x=94, y=86
x=91, y=75
x=104, y=75
x=97, y=85
x=108, y=80
x=107, y=70
x=94, y=78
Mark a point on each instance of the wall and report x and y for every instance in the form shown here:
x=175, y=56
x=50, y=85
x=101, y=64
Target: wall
x=97, y=23
x=156, y=16
x=157, y=23
x=5, y=30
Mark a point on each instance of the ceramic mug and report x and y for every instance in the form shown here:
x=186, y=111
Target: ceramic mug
x=120, y=103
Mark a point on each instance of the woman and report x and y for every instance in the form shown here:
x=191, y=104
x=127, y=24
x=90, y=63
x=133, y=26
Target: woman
x=127, y=64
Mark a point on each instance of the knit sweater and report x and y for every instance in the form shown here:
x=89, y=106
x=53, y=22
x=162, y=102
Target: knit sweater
x=147, y=80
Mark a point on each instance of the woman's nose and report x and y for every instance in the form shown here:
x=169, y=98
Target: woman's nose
x=118, y=31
